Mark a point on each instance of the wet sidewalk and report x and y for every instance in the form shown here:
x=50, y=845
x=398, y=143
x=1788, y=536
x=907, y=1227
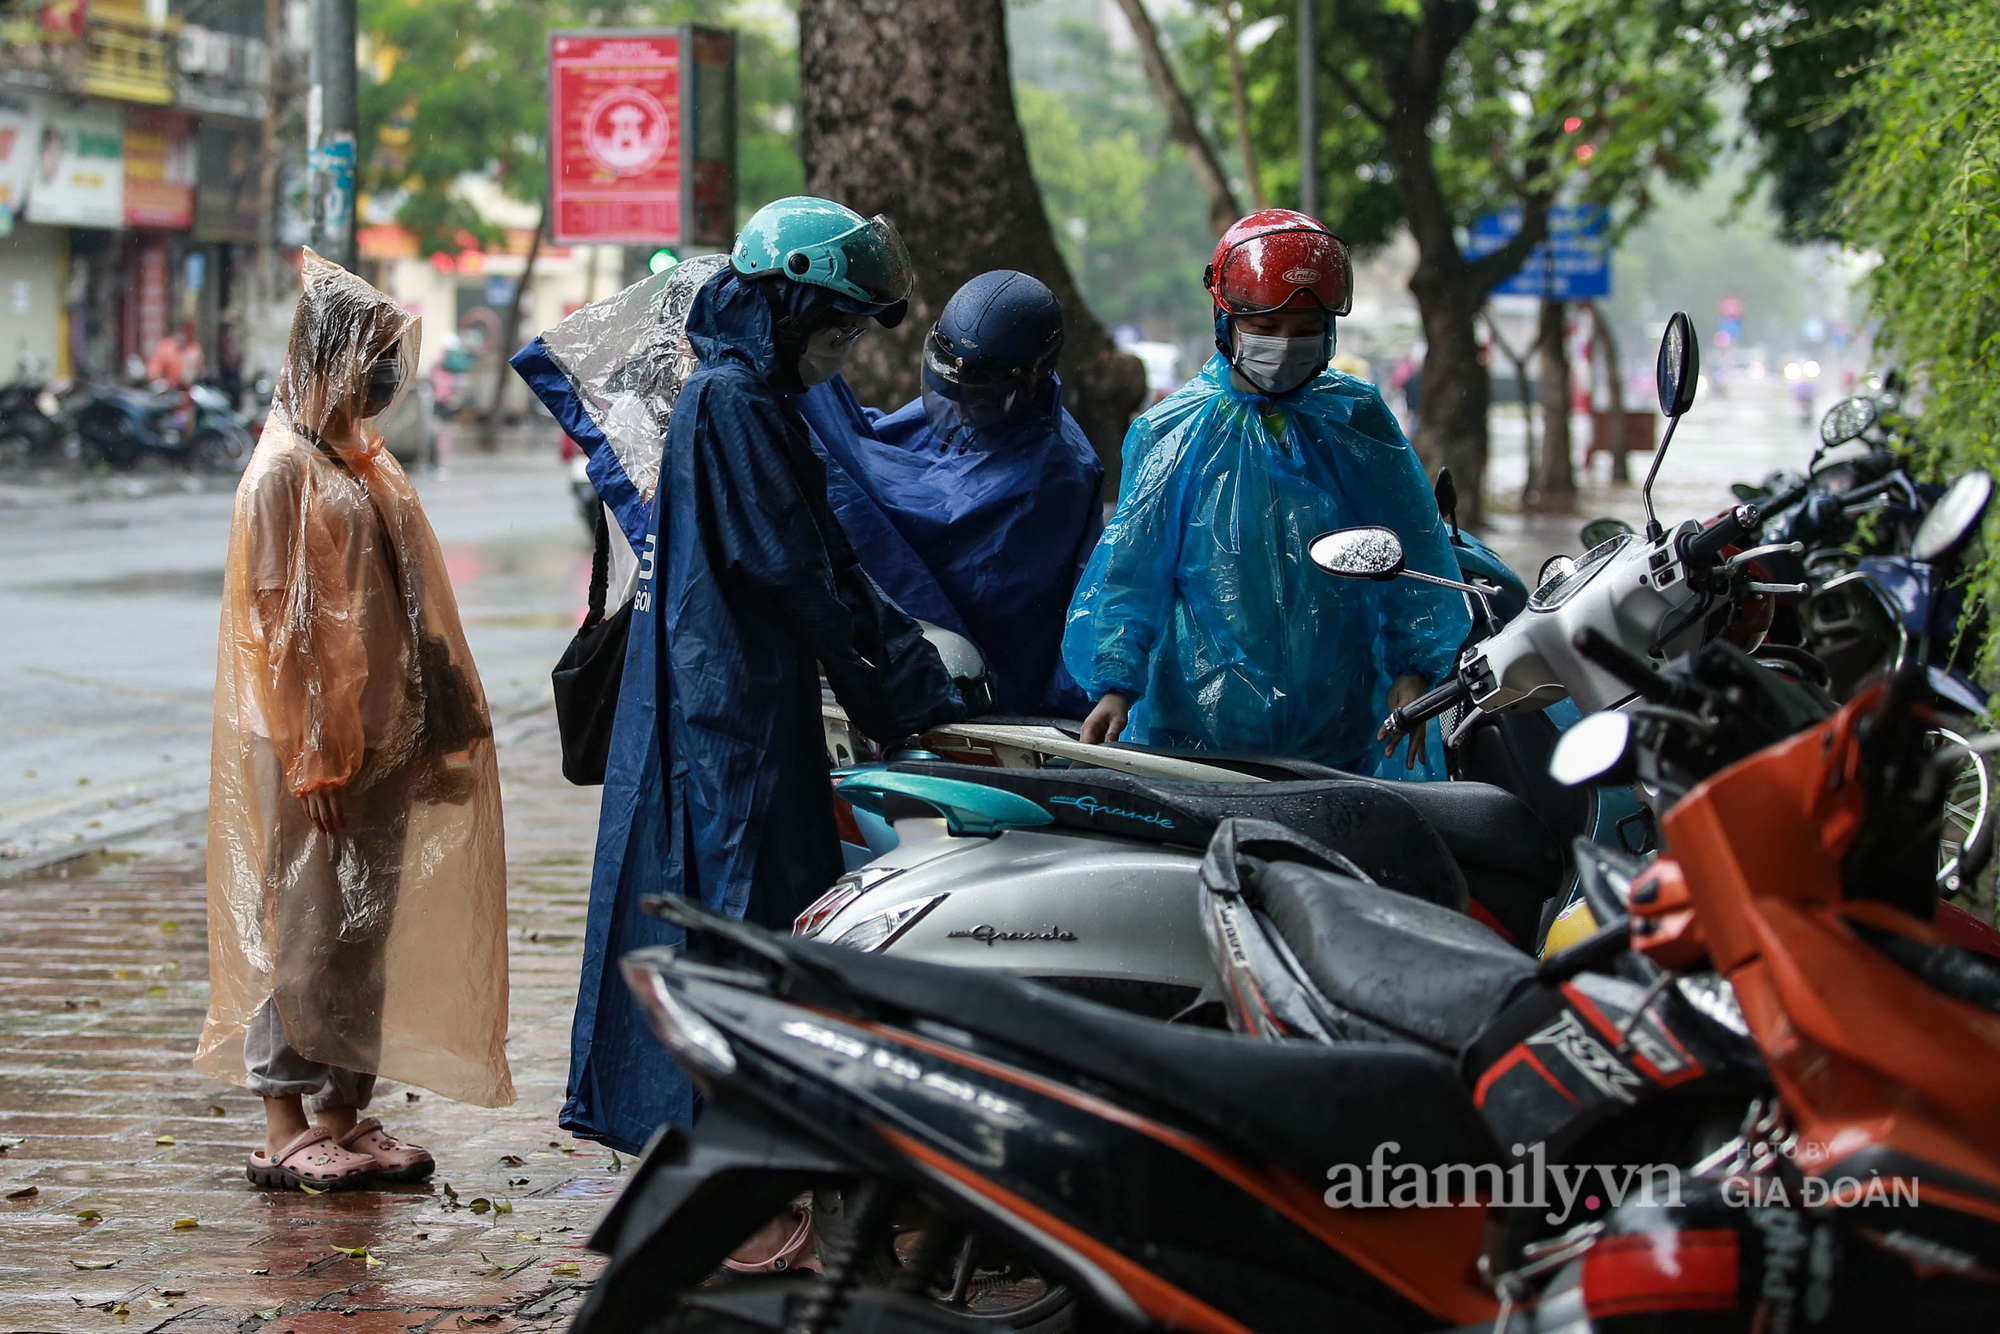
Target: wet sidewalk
x=123, y=1204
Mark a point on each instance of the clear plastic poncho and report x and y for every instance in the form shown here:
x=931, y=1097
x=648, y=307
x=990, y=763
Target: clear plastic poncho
x=1201, y=602
x=611, y=372
x=342, y=667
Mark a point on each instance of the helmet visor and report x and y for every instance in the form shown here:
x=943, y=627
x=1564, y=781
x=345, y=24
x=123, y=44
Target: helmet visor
x=1295, y=267
x=877, y=262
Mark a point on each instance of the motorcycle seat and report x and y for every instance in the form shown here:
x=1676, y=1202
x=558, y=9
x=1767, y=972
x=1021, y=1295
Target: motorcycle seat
x=1479, y=822
x=1303, y=1106
x=1375, y=825
x=1421, y=972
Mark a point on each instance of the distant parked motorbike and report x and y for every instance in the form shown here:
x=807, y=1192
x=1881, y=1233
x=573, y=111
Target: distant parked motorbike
x=34, y=422
x=120, y=426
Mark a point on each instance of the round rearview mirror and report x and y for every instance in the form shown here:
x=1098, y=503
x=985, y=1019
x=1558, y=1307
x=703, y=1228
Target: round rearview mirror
x=1593, y=751
x=1359, y=553
x=1846, y=420
x=1679, y=365
x=1599, y=531
x=1954, y=520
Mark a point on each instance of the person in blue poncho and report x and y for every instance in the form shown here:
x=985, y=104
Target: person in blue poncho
x=1201, y=621
x=716, y=785
x=976, y=505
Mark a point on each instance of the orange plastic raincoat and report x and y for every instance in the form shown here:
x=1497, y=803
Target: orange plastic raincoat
x=343, y=666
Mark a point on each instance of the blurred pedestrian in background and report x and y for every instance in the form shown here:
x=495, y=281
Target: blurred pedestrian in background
x=356, y=874
x=176, y=360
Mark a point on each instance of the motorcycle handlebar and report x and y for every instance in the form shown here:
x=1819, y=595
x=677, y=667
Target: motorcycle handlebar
x=1428, y=706
x=1622, y=663
x=1702, y=549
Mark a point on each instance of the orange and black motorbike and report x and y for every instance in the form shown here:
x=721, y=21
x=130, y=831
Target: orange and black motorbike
x=1785, y=962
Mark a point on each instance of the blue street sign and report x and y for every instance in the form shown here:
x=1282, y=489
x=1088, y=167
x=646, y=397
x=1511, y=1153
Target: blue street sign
x=1574, y=264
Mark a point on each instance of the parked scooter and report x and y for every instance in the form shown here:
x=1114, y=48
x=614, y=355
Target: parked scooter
x=1087, y=877
x=120, y=426
x=1680, y=1118
x=34, y=422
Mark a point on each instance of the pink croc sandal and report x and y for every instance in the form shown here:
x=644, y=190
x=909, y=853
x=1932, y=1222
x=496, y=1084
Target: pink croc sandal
x=312, y=1159
x=394, y=1161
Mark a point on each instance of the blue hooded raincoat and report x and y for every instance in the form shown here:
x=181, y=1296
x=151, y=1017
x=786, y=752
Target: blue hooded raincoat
x=1201, y=601
x=716, y=786
x=986, y=535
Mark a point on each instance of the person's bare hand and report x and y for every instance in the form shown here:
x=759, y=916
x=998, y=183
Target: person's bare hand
x=1405, y=691
x=1107, y=721
x=323, y=809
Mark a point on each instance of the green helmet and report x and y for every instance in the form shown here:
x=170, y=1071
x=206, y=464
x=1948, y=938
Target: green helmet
x=828, y=245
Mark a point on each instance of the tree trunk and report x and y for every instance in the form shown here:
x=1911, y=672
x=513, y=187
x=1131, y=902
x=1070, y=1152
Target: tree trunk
x=906, y=109
x=489, y=426
x=1614, y=394
x=1451, y=414
x=1240, y=103
x=1222, y=206
x=1553, y=488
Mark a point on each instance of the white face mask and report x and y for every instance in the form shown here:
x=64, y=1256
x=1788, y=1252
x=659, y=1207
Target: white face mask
x=825, y=353
x=1279, y=365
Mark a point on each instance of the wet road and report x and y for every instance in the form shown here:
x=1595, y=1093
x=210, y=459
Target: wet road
x=1738, y=435
x=107, y=657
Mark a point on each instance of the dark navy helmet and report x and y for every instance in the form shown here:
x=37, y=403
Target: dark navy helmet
x=997, y=338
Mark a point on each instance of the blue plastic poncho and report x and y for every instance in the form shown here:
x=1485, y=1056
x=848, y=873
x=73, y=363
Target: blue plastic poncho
x=717, y=784
x=1201, y=603
x=985, y=535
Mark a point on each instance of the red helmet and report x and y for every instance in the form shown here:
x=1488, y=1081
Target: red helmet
x=1276, y=258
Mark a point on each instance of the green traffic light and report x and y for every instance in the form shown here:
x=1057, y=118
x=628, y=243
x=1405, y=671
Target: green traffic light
x=662, y=260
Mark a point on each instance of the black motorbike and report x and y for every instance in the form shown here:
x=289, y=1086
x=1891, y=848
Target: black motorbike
x=34, y=423
x=120, y=426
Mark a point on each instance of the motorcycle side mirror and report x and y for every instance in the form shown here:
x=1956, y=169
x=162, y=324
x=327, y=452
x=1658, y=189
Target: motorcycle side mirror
x=1359, y=553
x=1745, y=492
x=1849, y=419
x=1596, y=750
x=1954, y=521
x=1599, y=531
x=1446, y=492
x=1677, y=371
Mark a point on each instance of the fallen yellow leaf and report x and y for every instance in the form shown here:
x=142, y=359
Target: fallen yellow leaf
x=164, y=1139
x=185, y=1224
x=568, y=1269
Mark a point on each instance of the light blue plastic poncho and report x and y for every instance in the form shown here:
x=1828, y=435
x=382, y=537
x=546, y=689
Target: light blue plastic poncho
x=1201, y=603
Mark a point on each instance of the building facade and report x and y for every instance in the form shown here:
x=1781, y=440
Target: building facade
x=131, y=143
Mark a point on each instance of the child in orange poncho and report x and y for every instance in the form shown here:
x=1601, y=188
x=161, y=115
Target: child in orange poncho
x=356, y=875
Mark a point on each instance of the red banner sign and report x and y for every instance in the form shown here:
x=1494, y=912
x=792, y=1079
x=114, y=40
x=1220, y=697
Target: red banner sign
x=159, y=170
x=615, y=126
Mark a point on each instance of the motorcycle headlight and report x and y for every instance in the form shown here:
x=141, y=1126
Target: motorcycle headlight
x=48, y=403
x=697, y=1044
x=875, y=932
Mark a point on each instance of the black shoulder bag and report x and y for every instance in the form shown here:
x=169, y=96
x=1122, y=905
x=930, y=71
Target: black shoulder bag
x=586, y=678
